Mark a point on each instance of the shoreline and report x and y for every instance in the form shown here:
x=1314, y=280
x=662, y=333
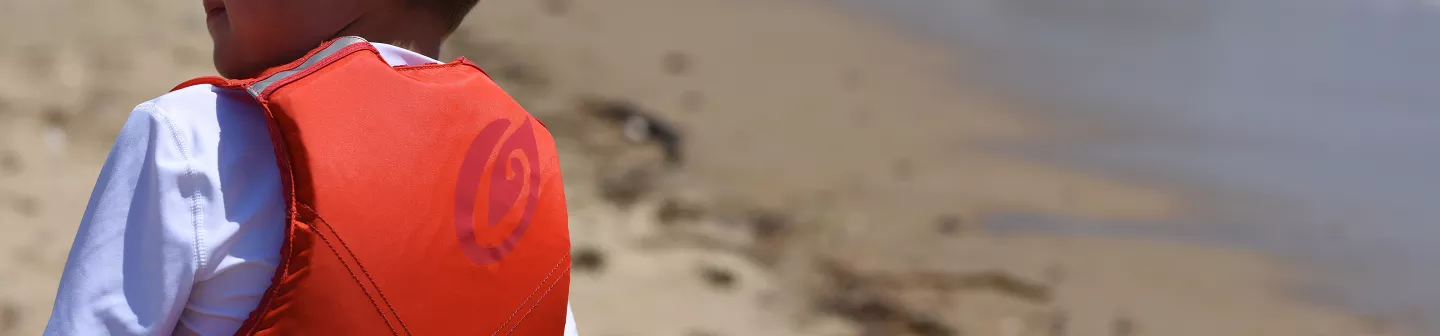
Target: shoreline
x=1264, y=161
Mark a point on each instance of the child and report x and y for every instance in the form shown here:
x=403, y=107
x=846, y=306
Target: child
x=335, y=184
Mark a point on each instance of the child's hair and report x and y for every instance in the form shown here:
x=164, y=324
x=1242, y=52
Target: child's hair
x=451, y=11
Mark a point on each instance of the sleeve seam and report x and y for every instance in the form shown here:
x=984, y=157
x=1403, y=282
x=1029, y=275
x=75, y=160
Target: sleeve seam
x=196, y=215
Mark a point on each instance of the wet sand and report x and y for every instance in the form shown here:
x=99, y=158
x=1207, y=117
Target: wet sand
x=734, y=168
x=1287, y=113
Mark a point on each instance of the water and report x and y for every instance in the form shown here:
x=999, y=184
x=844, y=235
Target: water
x=1311, y=125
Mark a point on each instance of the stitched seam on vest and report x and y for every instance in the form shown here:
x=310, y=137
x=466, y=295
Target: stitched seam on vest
x=393, y=312
x=287, y=181
x=532, y=294
x=269, y=297
x=538, y=301
x=425, y=66
x=378, y=310
x=250, y=327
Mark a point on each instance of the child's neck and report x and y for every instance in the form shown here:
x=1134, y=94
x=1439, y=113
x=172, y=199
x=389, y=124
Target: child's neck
x=420, y=38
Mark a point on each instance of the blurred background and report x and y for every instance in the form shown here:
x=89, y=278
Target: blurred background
x=902, y=167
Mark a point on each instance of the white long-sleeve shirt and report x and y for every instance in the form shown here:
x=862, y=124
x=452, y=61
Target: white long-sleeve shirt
x=183, y=230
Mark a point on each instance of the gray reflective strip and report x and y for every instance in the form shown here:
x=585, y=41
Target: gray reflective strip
x=340, y=43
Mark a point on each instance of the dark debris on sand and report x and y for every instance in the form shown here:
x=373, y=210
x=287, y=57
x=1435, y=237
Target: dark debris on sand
x=639, y=125
x=588, y=260
x=852, y=295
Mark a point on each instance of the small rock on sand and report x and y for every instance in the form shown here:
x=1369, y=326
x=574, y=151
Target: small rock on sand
x=589, y=259
x=674, y=210
x=677, y=63
x=1122, y=326
x=26, y=206
x=10, y=163
x=902, y=170
x=627, y=187
x=718, y=277
x=692, y=101
x=950, y=224
x=10, y=314
x=556, y=7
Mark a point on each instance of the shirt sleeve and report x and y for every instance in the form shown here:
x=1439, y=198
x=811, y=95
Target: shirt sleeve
x=570, y=322
x=135, y=255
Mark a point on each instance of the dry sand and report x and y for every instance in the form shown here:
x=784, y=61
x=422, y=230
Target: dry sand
x=828, y=182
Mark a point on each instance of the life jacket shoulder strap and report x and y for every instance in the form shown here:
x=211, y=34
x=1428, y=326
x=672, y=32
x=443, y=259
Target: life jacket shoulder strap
x=260, y=86
x=316, y=59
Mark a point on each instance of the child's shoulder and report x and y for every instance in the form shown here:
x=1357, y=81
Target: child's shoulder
x=201, y=121
x=197, y=101
x=204, y=108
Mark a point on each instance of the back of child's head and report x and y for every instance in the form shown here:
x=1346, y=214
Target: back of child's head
x=253, y=35
x=450, y=12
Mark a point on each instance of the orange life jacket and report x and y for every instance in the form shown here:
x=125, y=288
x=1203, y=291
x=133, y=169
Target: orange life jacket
x=420, y=200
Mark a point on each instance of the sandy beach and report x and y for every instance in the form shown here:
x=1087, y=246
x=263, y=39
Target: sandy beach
x=733, y=168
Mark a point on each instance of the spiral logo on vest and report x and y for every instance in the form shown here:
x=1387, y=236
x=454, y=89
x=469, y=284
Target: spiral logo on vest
x=503, y=166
